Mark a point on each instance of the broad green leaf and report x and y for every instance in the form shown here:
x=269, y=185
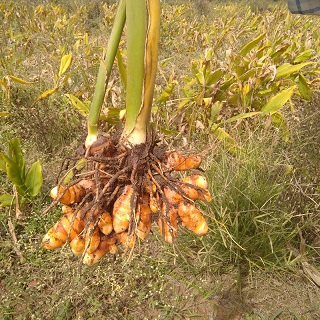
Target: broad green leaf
x=278, y=101
x=6, y=200
x=226, y=139
x=34, y=179
x=268, y=91
x=78, y=104
x=187, y=87
x=243, y=116
x=65, y=64
x=250, y=45
x=16, y=155
x=304, y=88
x=14, y=174
x=201, y=78
x=208, y=54
x=215, y=109
x=287, y=69
x=183, y=103
x=225, y=85
x=4, y=114
x=214, y=77
x=18, y=80
x=303, y=56
x=248, y=74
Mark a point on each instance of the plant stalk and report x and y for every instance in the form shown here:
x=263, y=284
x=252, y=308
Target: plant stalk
x=139, y=133
x=104, y=74
x=136, y=15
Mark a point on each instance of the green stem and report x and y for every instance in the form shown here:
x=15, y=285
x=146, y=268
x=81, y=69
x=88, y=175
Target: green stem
x=137, y=121
x=151, y=63
x=136, y=14
x=104, y=73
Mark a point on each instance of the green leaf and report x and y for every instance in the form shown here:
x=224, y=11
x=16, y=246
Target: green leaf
x=68, y=177
x=16, y=155
x=304, y=88
x=303, y=56
x=14, y=174
x=34, y=179
x=248, y=74
x=224, y=137
x=215, y=109
x=288, y=69
x=225, y=85
x=182, y=104
x=6, y=200
x=122, y=69
x=81, y=163
x=277, y=102
x=214, y=77
x=78, y=104
x=169, y=132
x=243, y=116
x=200, y=77
x=2, y=164
x=65, y=64
x=250, y=45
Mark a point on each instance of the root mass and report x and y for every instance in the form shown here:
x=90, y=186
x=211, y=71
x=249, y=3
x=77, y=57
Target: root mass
x=112, y=194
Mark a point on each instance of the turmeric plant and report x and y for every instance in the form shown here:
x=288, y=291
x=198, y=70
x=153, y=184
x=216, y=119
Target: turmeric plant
x=27, y=182
x=122, y=181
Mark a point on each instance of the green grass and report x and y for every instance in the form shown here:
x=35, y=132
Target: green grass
x=265, y=190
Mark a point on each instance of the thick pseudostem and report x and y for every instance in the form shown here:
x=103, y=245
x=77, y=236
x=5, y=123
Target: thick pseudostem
x=117, y=192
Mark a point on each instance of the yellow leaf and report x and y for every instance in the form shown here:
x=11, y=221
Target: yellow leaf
x=18, y=80
x=207, y=101
x=183, y=103
x=78, y=104
x=44, y=95
x=246, y=88
x=65, y=64
x=4, y=114
x=122, y=113
x=47, y=93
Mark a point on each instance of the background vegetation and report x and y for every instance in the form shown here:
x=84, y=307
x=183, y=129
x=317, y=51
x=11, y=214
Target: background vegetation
x=238, y=82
